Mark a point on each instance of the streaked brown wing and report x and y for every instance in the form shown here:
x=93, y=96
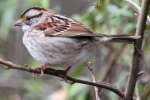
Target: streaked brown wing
x=58, y=25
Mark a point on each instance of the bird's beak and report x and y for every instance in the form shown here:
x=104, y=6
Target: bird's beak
x=18, y=22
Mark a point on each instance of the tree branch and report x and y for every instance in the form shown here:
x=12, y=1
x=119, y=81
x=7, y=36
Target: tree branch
x=60, y=74
x=138, y=50
x=137, y=9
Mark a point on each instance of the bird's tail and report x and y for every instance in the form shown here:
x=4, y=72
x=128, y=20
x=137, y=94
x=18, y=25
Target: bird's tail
x=118, y=38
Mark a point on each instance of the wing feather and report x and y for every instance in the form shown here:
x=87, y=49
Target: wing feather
x=58, y=25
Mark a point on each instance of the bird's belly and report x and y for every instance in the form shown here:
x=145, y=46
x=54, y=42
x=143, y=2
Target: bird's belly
x=55, y=50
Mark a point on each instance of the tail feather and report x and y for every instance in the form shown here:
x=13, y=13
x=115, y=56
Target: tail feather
x=101, y=37
x=119, y=38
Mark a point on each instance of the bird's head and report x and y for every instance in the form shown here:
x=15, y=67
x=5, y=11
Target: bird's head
x=30, y=17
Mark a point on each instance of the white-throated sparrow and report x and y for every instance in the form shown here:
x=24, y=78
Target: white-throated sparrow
x=54, y=39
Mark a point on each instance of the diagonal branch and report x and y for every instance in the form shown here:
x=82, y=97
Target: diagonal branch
x=138, y=50
x=137, y=9
x=60, y=74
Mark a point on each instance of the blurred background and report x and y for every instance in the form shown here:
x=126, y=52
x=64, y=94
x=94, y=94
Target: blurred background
x=112, y=61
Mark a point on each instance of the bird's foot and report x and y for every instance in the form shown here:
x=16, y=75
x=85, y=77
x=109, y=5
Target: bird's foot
x=41, y=69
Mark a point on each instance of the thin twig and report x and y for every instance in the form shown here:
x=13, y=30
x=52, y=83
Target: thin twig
x=113, y=61
x=133, y=4
x=137, y=93
x=90, y=64
x=60, y=74
x=138, y=50
x=137, y=9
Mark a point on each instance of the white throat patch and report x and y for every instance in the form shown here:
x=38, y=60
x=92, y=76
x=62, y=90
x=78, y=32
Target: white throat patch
x=25, y=28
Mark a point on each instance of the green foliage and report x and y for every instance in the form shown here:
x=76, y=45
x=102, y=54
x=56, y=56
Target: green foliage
x=44, y=3
x=34, y=89
x=7, y=16
x=109, y=15
x=41, y=3
x=77, y=92
x=78, y=70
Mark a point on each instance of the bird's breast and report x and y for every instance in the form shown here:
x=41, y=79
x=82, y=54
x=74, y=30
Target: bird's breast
x=53, y=50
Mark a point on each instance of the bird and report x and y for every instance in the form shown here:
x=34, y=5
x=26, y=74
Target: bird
x=56, y=40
